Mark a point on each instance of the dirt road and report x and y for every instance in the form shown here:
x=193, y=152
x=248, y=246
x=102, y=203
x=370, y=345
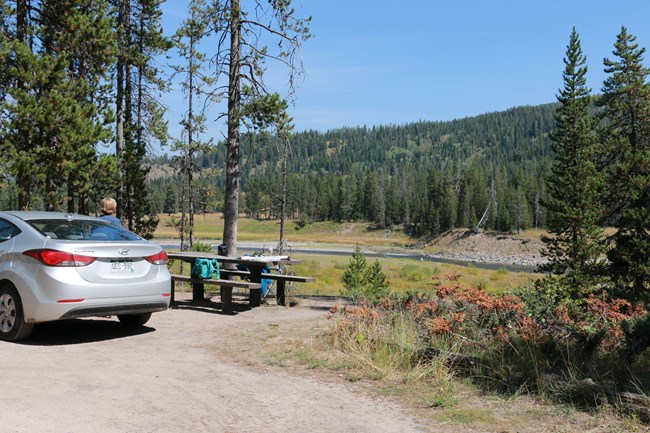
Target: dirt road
x=182, y=372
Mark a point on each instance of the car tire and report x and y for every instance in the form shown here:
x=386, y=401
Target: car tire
x=12, y=316
x=134, y=319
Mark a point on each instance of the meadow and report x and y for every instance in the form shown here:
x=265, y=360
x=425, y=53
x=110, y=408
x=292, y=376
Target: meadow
x=404, y=275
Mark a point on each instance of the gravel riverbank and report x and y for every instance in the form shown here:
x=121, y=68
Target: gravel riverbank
x=457, y=246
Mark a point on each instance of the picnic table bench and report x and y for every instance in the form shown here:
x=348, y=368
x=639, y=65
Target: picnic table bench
x=225, y=285
x=255, y=266
x=281, y=279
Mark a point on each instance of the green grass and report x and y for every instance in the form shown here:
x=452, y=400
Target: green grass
x=404, y=275
x=414, y=273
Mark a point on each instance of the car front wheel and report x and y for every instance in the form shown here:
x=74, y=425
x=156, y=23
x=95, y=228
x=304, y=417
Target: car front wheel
x=12, y=318
x=134, y=319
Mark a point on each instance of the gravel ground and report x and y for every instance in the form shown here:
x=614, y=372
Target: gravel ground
x=182, y=372
x=193, y=369
x=488, y=248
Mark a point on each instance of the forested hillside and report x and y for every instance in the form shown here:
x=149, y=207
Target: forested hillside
x=429, y=176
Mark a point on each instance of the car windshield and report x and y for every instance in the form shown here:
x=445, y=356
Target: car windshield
x=82, y=230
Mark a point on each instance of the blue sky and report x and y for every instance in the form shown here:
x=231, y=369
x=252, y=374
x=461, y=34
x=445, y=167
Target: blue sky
x=386, y=62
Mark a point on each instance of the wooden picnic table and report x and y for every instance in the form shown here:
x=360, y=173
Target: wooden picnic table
x=254, y=265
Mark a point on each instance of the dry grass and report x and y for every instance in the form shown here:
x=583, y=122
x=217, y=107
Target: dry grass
x=210, y=226
x=404, y=275
x=439, y=401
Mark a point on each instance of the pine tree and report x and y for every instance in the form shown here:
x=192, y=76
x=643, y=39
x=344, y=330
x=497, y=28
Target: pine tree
x=5, y=37
x=143, y=120
x=575, y=185
x=194, y=81
x=171, y=200
x=364, y=282
x=80, y=32
x=626, y=102
x=54, y=116
x=354, y=276
x=376, y=286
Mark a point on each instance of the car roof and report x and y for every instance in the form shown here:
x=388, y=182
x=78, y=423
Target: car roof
x=35, y=215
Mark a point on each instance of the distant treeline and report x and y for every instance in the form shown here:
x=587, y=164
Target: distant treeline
x=428, y=176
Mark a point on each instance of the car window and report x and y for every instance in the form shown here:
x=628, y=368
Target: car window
x=82, y=230
x=7, y=230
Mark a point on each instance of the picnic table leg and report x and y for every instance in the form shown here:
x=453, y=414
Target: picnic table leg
x=226, y=299
x=197, y=292
x=279, y=292
x=172, y=297
x=255, y=295
x=197, y=288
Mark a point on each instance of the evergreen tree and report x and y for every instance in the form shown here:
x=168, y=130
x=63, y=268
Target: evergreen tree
x=253, y=199
x=5, y=37
x=575, y=185
x=626, y=102
x=105, y=180
x=354, y=275
x=363, y=282
x=54, y=116
x=143, y=119
x=171, y=200
x=376, y=282
x=80, y=30
x=194, y=80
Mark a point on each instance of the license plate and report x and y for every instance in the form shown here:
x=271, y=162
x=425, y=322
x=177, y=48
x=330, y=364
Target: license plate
x=119, y=266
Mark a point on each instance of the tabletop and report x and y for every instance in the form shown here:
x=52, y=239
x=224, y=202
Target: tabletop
x=243, y=260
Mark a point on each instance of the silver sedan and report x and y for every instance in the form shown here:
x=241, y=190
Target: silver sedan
x=56, y=266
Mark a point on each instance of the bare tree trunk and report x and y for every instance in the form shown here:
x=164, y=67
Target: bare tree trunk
x=127, y=192
x=231, y=204
x=21, y=34
x=71, y=194
x=283, y=198
x=190, y=143
x=182, y=221
x=119, y=107
x=21, y=20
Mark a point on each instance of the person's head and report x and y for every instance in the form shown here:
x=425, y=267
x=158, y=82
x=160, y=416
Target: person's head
x=109, y=206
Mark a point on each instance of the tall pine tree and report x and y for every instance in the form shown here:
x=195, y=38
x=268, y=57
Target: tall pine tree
x=626, y=102
x=56, y=59
x=139, y=116
x=575, y=184
x=194, y=83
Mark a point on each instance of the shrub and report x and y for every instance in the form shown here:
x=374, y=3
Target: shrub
x=523, y=338
x=301, y=223
x=413, y=272
x=202, y=247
